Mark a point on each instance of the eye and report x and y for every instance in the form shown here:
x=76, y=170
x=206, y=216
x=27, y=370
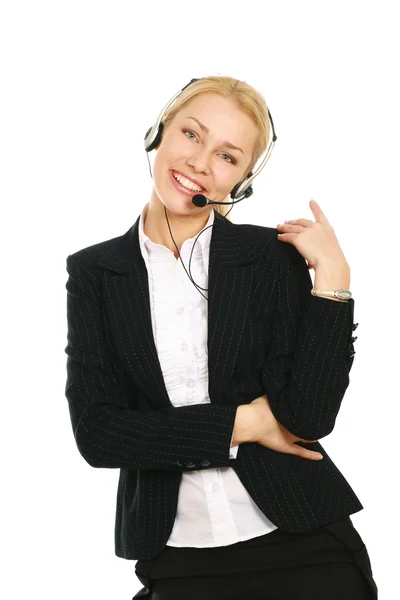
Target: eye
x=232, y=160
x=187, y=131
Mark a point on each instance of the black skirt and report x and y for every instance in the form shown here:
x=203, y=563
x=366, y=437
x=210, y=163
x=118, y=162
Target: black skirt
x=338, y=542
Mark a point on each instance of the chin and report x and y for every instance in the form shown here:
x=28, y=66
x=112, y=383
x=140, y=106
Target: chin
x=179, y=206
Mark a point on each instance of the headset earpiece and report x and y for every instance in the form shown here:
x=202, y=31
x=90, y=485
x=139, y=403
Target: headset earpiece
x=246, y=191
x=157, y=140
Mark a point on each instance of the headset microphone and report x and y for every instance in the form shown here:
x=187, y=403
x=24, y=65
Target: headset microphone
x=242, y=190
x=200, y=200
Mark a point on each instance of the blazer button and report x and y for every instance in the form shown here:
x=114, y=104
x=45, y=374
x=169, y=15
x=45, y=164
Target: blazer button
x=190, y=465
x=205, y=463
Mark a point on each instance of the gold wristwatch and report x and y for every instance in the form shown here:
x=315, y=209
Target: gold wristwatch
x=342, y=294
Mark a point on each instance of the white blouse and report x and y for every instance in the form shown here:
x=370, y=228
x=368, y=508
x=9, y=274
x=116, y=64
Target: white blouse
x=214, y=508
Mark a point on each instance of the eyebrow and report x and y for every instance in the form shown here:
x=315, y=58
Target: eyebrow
x=204, y=128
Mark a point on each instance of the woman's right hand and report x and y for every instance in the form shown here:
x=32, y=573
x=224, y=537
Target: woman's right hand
x=270, y=433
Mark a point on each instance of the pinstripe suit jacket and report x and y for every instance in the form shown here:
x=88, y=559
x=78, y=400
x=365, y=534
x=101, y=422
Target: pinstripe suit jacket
x=266, y=335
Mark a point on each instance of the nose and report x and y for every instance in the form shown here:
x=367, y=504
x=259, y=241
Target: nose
x=200, y=162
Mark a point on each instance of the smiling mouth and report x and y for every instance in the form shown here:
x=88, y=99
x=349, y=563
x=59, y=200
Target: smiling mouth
x=187, y=183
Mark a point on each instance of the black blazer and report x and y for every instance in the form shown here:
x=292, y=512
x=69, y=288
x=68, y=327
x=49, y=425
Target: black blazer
x=266, y=335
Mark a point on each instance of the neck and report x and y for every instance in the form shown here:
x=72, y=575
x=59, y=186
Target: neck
x=182, y=226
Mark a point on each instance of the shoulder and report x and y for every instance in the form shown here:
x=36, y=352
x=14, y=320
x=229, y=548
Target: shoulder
x=81, y=264
x=89, y=255
x=269, y=246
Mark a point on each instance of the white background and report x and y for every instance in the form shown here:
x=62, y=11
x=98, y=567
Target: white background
x=82, y=81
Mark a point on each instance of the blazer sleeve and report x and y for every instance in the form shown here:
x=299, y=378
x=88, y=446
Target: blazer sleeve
x=311, y=352
x=108, y=430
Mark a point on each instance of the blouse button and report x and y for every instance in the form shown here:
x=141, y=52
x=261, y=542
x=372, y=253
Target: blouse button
x=183, y=346
x=191, y=383
x=179, y=310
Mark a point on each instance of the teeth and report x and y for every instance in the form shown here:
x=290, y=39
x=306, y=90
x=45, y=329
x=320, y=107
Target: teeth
x=187, y=183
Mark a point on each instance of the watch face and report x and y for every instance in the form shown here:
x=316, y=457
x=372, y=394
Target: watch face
x=344, y=295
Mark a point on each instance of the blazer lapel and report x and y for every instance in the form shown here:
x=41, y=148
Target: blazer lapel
x=127, y=308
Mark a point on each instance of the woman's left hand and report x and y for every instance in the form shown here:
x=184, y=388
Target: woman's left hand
x=316, y=241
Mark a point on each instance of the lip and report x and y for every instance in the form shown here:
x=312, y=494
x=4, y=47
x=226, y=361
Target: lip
x=190, y=179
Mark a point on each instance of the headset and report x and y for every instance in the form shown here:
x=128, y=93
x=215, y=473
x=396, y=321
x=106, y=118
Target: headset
x=239, y=192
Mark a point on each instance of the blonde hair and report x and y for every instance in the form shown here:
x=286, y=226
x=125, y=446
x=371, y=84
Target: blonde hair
x=246, y=98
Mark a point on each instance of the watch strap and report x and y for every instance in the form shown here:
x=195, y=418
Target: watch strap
x=341, y=293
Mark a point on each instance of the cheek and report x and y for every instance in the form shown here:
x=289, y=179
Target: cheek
x=163, y=160
x=169, y=155
x=223, y=178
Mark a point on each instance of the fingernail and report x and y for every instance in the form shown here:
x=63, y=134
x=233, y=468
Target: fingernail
x=320, y=456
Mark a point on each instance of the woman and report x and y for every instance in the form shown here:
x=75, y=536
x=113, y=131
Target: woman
x=199, y=364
